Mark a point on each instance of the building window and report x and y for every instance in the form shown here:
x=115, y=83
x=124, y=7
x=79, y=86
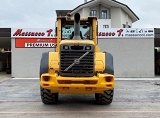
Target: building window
x=104, y=14
x=93, y=13
x=105, y=26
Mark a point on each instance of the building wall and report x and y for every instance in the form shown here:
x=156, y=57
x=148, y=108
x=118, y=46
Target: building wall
x=130, y=21
x=80, y=12
x=26, y=61
x=102, y=22
x=125, y=18
x=86, y=12
x=132, y=57
x=116, y=17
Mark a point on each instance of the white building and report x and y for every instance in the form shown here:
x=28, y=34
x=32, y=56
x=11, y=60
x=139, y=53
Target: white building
x=110, y=13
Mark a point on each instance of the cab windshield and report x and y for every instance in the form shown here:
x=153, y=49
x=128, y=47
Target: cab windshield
x=68, y=29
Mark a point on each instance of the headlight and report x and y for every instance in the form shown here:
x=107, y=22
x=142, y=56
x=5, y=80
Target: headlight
x=66, y=47
x=88, y=47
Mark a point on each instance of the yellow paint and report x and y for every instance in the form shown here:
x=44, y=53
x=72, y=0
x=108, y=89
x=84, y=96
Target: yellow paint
x=99, y=61
x=55, y=86
x=58, y=33
x=77, y=42
x=54, y=60
x=94, y=21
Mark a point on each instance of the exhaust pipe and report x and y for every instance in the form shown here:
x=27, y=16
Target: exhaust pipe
x=77, y=26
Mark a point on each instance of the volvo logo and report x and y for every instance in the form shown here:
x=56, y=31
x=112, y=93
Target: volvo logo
x=76, y=61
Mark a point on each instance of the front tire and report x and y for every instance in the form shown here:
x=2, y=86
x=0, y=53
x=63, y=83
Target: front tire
x=48, y=97
x=104, y=98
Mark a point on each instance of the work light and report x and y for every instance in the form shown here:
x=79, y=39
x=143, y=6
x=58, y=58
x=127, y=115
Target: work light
x=88, y=47
x=66, y=47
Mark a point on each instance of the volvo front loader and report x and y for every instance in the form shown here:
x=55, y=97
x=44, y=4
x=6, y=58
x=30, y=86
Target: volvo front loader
x=77, y=66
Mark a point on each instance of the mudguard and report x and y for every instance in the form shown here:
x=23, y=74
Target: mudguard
x=44, y=63
x=109, y=63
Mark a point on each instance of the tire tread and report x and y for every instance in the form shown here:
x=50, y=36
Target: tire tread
x=48, y=97
x=105, y=98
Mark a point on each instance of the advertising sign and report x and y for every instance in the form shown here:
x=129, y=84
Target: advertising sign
x=126, y=33
x=35, y=42
x=32, y=33
x=102, y=33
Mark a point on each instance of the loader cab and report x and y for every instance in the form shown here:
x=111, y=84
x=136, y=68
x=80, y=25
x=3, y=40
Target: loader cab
x=86, y=28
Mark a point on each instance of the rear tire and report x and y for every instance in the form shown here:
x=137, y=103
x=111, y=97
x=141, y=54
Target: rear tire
x=48, y=97
x=105, y=98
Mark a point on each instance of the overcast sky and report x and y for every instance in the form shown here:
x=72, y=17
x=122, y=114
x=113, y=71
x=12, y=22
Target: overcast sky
x=41, y=13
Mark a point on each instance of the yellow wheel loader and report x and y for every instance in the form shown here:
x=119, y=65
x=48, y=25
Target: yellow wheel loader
x=77, y=66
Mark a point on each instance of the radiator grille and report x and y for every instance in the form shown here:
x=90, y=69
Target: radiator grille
x=85, y=67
